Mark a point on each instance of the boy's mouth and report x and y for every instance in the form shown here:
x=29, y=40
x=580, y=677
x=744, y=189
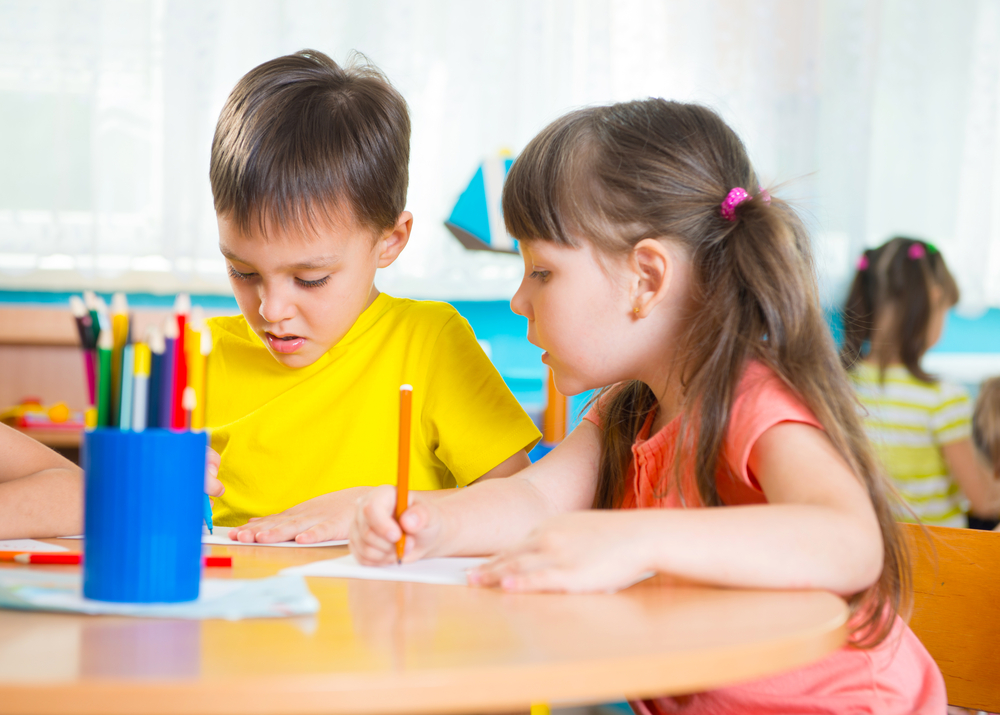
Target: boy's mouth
x=284, y=343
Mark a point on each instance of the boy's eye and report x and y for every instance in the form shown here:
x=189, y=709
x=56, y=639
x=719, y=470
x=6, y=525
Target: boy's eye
x=313, y=284
x=543, y=275
x=240, y=276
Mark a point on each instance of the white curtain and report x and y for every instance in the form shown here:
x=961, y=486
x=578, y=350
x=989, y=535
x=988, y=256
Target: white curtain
x=877, y=117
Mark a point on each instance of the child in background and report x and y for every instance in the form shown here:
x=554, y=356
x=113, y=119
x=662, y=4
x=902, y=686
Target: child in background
x=309, y=174
x=655, y=264
x=920, y=426
x=41, y=492
x=986, y=424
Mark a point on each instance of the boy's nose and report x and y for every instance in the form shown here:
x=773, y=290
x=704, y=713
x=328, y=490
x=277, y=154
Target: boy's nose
x=275, y=307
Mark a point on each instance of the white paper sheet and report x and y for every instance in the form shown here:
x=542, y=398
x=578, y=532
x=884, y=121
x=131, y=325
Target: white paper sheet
x=221, y=538
x=29, y=545
x=450, y=571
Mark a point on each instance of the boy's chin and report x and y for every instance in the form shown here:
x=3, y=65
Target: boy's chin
x=300, y=358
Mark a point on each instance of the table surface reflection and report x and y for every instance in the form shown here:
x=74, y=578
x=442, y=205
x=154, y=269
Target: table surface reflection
x=383, y=647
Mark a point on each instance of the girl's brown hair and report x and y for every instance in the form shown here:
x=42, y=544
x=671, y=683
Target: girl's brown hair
x=656, y=169
x=893, y=287
x=986, y=422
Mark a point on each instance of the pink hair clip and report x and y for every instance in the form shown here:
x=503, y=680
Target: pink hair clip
x=863, y=262
x=916, y=251
x=734, y=198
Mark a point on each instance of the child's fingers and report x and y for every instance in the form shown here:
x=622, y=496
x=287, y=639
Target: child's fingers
x=377, y=513
x=323, y=531
x=415, y=519
x=368, y=547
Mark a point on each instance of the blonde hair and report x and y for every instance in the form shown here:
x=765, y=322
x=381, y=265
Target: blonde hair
x=618, y=174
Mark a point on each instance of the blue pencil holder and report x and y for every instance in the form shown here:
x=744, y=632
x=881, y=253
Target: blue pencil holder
x=142, y=515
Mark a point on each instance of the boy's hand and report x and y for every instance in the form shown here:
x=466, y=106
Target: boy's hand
x=375, y=531
x=213, y=487
x=323, y=518
x=582, y=551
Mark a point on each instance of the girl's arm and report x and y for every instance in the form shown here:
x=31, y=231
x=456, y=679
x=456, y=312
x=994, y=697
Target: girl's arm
x=818, y=530
x=41, y=492
x=485, y=517
x=973, y=476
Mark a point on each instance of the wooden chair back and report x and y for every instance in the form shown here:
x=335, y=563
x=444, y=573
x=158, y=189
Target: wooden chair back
x=956, y=591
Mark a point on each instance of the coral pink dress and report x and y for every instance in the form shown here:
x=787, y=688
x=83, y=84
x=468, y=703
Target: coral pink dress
x=898, y=676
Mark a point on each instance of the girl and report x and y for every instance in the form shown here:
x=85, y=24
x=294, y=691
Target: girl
x=654, y=264
x=922, y=427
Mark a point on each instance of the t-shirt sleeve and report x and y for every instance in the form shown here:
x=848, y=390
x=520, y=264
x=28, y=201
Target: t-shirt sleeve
x=951, y=419
x=472, y=417
x=762, y=402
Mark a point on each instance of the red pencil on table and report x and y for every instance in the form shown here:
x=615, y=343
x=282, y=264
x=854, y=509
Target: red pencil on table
x=76, y=558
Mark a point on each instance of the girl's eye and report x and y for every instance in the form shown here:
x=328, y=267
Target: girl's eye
x=542, y=275
x=240, y=276
x=313, y=284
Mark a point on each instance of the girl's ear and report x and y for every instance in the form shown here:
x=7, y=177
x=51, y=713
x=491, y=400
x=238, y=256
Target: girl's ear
x=653, y=267
x=394, y=240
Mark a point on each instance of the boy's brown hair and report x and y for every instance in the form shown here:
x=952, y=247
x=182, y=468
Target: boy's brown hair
x=300, y=134
x=986, y=422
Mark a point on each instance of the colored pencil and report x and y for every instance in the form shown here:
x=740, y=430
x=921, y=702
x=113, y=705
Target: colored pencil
x=88, y=341
x=156, y=348
x=188, y=402
x=182, y=309
x=403, y=471
x=105, y=344
x=119, y=334
x=168, y=373
x=140, y=390
x=75, y=558
x=48, y=558
x=198, y=354
x=90, y=301
x=128, y=373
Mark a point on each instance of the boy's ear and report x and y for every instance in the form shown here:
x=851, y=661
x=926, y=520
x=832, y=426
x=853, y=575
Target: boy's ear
x=394, y=240
x=652, y=266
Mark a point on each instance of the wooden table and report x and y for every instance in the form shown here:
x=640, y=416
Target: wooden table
x=381, y=647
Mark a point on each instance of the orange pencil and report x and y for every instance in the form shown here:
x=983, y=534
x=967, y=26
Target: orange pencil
x=403, y=475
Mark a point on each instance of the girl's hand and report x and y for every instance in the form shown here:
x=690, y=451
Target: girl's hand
x=213, y=487
x=375, y=531
x=576, y=552
x=323, y=518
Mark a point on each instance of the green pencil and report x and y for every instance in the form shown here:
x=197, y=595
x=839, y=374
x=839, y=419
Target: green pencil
x=105, y=346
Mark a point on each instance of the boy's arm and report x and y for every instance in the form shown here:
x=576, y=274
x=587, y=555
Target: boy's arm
x=510, y=466
x=41, y=492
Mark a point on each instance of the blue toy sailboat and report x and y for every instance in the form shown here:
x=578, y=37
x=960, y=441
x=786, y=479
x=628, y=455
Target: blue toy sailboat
x=477, y=219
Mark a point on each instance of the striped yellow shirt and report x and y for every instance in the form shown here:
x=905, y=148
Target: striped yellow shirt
x=908, y=421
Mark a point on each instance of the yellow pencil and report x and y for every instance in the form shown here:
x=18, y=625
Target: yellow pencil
x=197, y=375
x=119, y=336
x=403, y=474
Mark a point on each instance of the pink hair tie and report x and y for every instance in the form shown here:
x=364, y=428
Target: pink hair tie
x=734, y=198
x=916, y=251
x=863, y=263
x=766, y=197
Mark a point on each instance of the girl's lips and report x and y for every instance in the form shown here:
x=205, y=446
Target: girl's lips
x=284, y=345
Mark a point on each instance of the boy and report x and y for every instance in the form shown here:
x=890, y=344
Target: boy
x=309, y=175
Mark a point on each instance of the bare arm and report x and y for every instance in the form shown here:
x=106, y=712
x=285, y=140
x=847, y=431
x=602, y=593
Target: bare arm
x=486, y=517
x=973, y=476
x=41, y=493
x=817, y=531
x=328, y=516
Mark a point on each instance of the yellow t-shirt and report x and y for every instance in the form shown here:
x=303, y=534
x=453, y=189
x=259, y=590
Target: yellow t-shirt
x=287, y=435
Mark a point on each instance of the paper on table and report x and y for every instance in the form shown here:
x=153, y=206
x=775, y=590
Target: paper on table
x=221, y=538
x=450, y=571
x=231, y=599
x=29, y=545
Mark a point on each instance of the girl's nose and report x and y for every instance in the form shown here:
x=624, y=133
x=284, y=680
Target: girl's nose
x=520, y=304
x=275, y=305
